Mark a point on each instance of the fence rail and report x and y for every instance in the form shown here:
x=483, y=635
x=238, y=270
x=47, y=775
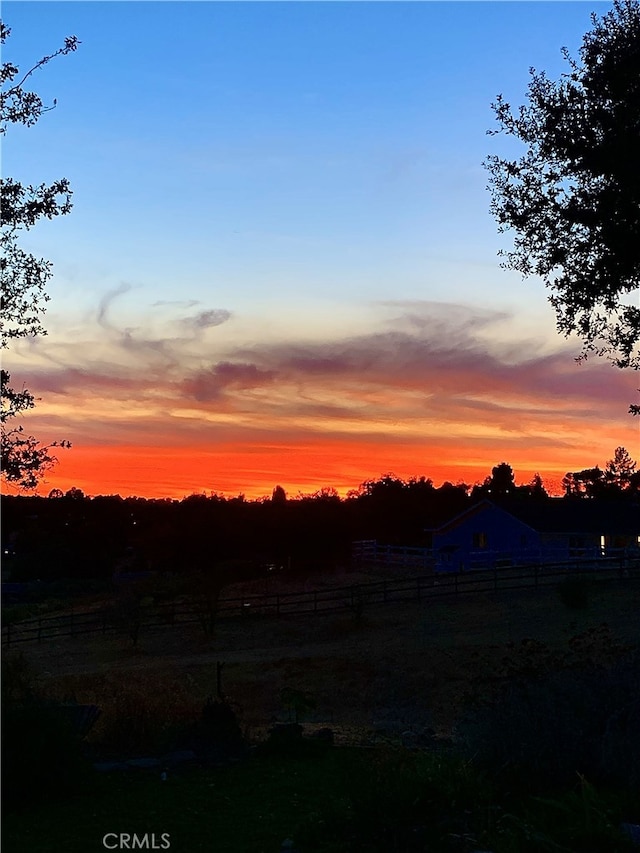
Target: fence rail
x=371, y=552
x=126, y=617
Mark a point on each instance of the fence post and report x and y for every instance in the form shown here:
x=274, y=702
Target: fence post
x=219, y=692
x=455, y=579
x=39, y=628
x=9, y=634
x=71, y=624
x=495, y=579
x=418, y=588
x=278, y=605
x=535, y=576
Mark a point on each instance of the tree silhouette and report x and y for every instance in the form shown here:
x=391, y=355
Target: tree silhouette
x=620, y=469
x=278, y=496
x=588, y=483
x=500, y=484
x=536, y=487
x=23, y=277
x=573, y=199
x=619, y=479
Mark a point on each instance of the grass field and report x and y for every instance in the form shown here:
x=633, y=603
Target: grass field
x=396, y=667
x=347, y=801
x=411, y=663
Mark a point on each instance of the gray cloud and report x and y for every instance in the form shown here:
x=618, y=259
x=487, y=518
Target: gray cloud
x=106, y=302
x=206, y=319
x=207, y=385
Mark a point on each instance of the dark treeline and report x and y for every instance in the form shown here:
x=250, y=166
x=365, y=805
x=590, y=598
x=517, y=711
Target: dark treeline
x=74, y=536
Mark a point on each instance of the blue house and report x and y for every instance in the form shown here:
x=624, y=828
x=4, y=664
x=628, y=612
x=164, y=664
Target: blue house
x=480, y=536
x=519, y=533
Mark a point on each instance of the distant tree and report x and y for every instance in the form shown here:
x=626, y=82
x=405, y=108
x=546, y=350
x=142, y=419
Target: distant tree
x=196, y=498
x=23, y=277
x=618, y=478
x=536, y=487
x=421, y=485
x=573, y=199
x=569, y=485
x=74, y=494
x=499, y=484
x=620, y=469
x=278, y=496
x=385, y=487
x=326, y=494
x=588, y=483
x=502, y=479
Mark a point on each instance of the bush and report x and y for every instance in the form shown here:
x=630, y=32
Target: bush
x=574, y=593
x=540, y=732
x=399, y=801
x=218, y=735
x=581, y=818
x=42, y=756
x=18, y=679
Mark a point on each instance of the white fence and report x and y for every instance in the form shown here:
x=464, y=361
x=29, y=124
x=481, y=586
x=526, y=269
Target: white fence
x=370, y=552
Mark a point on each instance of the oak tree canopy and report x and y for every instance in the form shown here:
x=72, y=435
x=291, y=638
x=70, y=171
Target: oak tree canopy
x=572, y=200
x=23, y=276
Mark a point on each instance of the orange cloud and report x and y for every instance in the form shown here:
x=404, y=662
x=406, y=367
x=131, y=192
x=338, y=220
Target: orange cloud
x=428, y=393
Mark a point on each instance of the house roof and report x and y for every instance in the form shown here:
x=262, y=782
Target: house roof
x=561, y=515
x=484, y=506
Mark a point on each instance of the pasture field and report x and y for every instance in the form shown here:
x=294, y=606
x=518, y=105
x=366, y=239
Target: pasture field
x=374, y=677
x=410, y=664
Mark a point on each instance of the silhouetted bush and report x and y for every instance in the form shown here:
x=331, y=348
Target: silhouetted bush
x=218, y=735
x=42, y=755
x=542, y=732
x=574, y=593
x=400, y=801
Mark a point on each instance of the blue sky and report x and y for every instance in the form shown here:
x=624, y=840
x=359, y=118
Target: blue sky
x=267, y=150
x=274, y=174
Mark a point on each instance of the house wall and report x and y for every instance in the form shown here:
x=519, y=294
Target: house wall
x=559, y=547
x=486, y=536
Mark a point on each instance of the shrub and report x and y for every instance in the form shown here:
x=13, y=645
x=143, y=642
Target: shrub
x=541, y=732
x=218, y=735
x=399, y=801
x=574, y=593
x=581, y=818
x=42, y=756
x=18, y=679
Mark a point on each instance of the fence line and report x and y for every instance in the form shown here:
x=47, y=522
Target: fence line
x=371, y=552
x=128, y=616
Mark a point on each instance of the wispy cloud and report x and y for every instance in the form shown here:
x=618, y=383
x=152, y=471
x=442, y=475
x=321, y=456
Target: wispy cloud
x=428, y=376
x=207, y=385
x=206, y=319
x=104, y=306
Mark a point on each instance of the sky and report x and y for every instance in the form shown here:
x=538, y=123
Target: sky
x=280, y=266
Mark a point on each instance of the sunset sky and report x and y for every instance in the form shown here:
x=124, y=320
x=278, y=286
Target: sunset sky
x=280, y=266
